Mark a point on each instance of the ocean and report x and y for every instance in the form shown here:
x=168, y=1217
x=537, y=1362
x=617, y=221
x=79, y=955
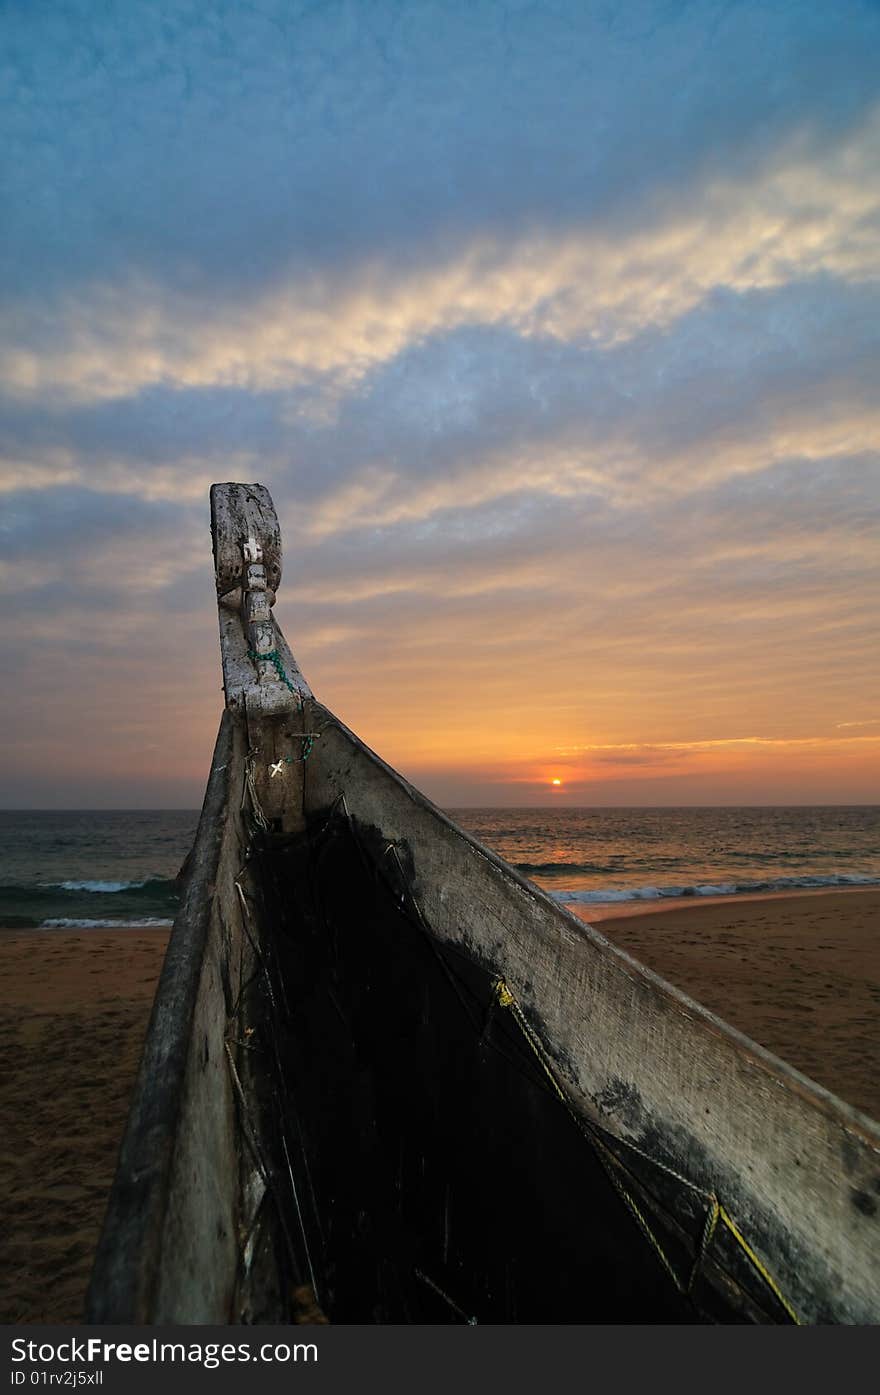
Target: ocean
x=117, y=869
x=101, y=868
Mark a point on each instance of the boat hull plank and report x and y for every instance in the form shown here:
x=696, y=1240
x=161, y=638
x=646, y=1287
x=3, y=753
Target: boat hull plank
x=169, y=1250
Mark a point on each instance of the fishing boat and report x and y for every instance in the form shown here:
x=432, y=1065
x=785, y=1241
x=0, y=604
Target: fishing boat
x=389, y=1080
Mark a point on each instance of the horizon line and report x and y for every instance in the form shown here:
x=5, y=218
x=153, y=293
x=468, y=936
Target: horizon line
x=196, y=809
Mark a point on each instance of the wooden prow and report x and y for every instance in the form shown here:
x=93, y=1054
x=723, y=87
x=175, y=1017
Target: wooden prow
x=261, y=679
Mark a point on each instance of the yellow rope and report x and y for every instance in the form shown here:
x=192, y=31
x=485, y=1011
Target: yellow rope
x=709, y=1226
x=765, y=1274
x=504, y=995
x=611, y=1163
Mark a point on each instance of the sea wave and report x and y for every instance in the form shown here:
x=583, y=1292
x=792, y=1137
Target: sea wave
x=89, y=900
x=603, y=895
x=94, y=886
x=81, y=923
x=546, y=869
x=98, y=886
x=150, y=886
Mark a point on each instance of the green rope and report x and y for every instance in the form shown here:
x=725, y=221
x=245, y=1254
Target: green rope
x=307, y=750
x=273, y=657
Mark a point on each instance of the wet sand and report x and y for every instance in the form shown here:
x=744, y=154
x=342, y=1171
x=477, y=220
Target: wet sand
x=74, y=1007
x=798, y=973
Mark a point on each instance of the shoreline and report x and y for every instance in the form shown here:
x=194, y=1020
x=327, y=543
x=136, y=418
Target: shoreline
x=626, y=910
x=589, y=911
x=127, y=928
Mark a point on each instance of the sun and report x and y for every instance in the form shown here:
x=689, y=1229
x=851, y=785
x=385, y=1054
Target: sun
x=557, y=783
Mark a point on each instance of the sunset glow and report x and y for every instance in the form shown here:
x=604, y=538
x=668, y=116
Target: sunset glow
x=564, y=381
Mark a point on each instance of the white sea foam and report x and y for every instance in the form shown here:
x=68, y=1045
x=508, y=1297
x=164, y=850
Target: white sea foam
x=607, y=896
x=95, y=886
x=79, y=923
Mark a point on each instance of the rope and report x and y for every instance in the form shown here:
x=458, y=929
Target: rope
x=299, y=1214
x=506, y=1000
x=272, y=657
x=471, y=1321
x=709, y=1225
x=250, y=789
x=308, y=737
x=249, y=1126
x=771, y=1283
x=610, y=1163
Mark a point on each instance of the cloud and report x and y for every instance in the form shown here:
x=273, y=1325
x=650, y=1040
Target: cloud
x=743, y=384
x=646, y=751
x=118, y=342
x=552, y=329
x=806, y=215
x=218, y=145
x=69, y=554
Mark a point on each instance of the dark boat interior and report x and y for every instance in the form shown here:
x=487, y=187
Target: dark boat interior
x=433, y=1173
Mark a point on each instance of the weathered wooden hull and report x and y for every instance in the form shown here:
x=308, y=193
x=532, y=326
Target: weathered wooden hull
x=386, y=1070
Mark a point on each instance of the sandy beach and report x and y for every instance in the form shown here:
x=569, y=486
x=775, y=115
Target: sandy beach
x=74, y=1007
x=800, y=974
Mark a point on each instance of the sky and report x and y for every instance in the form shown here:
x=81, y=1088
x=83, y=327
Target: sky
x=553, y=329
